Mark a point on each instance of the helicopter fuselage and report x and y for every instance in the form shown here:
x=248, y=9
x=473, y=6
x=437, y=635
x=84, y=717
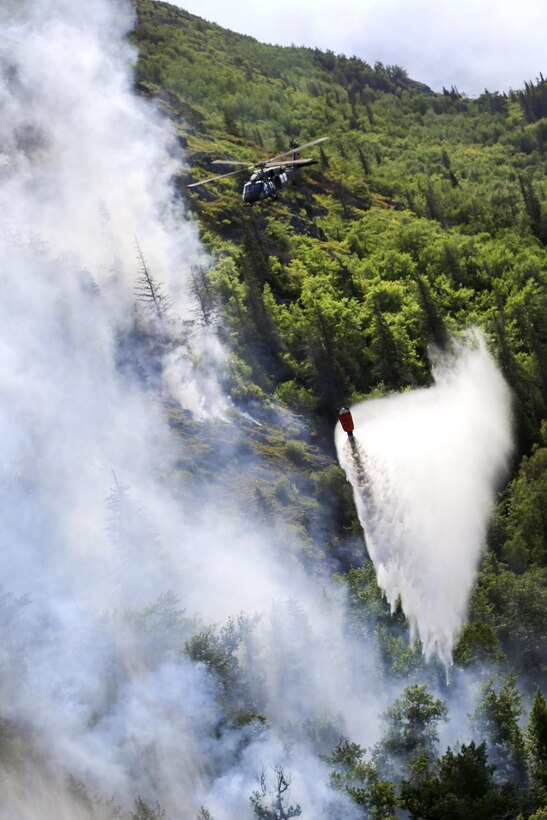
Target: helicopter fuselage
x=265, y=183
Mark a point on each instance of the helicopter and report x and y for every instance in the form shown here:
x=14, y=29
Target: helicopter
x=268, y=177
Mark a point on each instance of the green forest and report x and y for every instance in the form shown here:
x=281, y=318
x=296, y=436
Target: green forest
x=425, y=215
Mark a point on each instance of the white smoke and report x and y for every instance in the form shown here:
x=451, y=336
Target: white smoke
x=97, y=160
x=98, y=524
x=86, y=168
x=424, y=468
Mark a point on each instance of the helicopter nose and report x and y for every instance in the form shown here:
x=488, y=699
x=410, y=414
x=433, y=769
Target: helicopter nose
x=250, y=192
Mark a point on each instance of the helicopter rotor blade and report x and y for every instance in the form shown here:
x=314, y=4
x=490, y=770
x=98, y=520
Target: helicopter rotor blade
x=268, y=164
x=296, y=149
x=212, y=179
x=231, y=162
x=291, y=162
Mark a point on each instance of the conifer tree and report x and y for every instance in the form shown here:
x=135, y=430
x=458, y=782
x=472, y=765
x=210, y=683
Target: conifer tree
x=536, y=741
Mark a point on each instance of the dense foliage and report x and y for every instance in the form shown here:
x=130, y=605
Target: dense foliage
x=427, y=214
x=424, y=216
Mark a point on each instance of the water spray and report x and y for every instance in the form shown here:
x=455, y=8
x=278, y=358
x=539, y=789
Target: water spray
x=424, y=466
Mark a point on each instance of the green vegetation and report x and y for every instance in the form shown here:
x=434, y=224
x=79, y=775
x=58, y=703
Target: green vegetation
x=425, y=215
x=404, y=770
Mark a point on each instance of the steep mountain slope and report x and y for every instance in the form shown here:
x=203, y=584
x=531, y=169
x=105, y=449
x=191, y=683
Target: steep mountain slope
x=425, y=213
x=425, y=216
x=189, y=618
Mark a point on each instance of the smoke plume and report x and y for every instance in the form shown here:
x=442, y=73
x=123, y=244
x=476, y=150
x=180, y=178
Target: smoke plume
x=424, y=468
x=113, y=557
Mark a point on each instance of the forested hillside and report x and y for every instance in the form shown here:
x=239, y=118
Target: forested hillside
x=426, y=215
x=215, y=605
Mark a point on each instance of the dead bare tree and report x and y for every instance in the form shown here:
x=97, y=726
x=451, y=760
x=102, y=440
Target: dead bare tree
x=277, y=809
x=149, y=291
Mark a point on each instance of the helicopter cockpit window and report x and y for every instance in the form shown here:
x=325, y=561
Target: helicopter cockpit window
x=253, y=190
